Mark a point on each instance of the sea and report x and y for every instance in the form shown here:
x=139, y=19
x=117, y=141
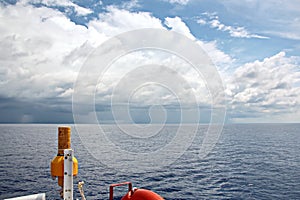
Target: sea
x=249, y=161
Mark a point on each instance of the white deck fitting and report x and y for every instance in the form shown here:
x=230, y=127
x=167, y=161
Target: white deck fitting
x=41, y=196
x=68, y=174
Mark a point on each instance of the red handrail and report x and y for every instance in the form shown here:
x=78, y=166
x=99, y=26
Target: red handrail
x=111, y=188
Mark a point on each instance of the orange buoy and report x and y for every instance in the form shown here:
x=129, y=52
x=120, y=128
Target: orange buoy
x=141, y=194
x=57, y=164
x=134, y=194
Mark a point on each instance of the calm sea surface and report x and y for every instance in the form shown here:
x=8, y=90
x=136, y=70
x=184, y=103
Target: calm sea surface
x=250, y=161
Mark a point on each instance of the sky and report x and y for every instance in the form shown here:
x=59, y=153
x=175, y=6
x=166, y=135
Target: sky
x=254, y=45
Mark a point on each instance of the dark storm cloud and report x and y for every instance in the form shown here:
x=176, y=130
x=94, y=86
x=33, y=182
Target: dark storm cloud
x=22, y=111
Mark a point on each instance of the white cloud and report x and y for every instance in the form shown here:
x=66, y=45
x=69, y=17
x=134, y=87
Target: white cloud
x=117, y=21
x=180, y=2
x=128, y=5
x=288, y=34
x=234, y=31
x=176, y=24
x=44, y=59
x=81, y=11
x=273, y=17
x=222, y=60
x=267, y=88
x=34, y=64
x=128, y=68
x=201, y=21
x=49, y=52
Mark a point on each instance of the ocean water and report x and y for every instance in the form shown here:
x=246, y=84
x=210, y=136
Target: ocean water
x=250, y=161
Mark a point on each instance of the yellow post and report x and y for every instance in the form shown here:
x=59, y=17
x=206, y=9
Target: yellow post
x=57, y=164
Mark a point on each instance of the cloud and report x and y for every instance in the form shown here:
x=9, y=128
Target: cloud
x=129, y=5
x=274, y=18
x=180, y=2
x=288, y=34
x=50, y=51
x=129, y=62
x=79, y=10
x=201, y=21
x=33, y=58
x=39, y=64
x=219, y=58
x=18, y=110
x=239, y=32
x=234, y=31
x=176, y=24
x=117, y=21
x=222, y=60
x=43, y=60
x=267, y=89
